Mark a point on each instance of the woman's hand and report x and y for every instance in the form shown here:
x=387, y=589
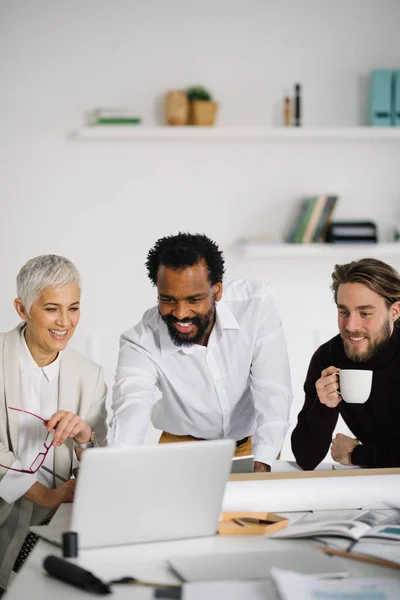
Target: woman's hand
x=64, y=493
x=68, y=425
x=51, y=499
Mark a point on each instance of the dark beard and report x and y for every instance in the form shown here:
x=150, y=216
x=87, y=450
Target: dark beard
x=202, y=324
x=373, y=347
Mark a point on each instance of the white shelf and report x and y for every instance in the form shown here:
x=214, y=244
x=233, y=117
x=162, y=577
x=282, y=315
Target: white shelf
x=350, y=251
x=140, y=133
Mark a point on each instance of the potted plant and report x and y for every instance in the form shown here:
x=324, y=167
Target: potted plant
x=202, y=108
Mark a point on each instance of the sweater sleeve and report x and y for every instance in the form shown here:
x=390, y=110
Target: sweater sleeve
x=312, y=435
x=376, y=455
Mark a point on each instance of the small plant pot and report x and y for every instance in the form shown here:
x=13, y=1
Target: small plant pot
x=202, y=112
x=176, y=108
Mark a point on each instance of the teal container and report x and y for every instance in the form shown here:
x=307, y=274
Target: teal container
x=381, y=98
x=396, y=110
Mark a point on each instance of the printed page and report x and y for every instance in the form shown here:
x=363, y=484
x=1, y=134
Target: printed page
x=386, y=533
x=371, y=517
x=348, y=529
x=303, y=587
x=345, y=524
x=230, y=590
x=379, y=516
x=319, y=516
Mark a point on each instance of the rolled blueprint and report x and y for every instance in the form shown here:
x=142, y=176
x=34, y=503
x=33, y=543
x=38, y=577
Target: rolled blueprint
x=308, y=493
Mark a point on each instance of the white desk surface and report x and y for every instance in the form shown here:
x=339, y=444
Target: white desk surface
x=148, y=562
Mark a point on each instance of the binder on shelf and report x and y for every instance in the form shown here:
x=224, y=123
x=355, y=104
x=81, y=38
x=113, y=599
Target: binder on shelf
x=352, y=232
x=396, y=109
x=381, y=93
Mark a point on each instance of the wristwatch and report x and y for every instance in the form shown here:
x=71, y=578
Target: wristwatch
x=90, y=444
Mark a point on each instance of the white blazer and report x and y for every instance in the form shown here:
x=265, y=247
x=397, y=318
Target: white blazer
x=82, y=390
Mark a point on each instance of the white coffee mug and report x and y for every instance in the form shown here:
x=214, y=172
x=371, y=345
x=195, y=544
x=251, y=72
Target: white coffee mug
x=355, y=385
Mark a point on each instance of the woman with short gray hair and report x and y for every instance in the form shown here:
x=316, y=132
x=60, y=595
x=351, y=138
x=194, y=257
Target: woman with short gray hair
x=44, y=271
x=52, y=404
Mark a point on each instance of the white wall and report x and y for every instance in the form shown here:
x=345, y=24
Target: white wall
x=104, y=204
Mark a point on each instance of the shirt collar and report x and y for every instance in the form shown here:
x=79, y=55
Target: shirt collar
x=28, y=364
x=225, y=319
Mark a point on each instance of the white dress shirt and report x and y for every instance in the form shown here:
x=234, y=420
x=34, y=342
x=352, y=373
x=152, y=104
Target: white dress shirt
x=237, y=385
x=39, y=389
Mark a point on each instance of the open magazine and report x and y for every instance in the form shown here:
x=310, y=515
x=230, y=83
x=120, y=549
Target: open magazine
x=377, y=526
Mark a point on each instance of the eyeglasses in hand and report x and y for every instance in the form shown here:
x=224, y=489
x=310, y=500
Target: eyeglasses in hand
x=39, y=460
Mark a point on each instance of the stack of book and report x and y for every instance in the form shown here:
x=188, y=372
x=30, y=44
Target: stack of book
x=312, y=220
x=113, y=116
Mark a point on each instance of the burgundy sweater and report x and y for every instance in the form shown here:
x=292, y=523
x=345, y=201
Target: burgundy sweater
x=376, y=424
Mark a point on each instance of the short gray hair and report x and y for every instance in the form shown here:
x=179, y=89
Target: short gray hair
x=44, y=271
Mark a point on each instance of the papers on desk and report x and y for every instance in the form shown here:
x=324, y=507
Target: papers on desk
x=381, y=525
x=293, y=586
x=288, y=585
x=231, y=590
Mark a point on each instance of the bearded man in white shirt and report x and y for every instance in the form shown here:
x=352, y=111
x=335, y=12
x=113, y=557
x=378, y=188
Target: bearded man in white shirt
x=52, y=402
x=215, y=351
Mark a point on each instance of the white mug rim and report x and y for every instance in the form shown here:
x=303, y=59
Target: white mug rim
x=356, y=370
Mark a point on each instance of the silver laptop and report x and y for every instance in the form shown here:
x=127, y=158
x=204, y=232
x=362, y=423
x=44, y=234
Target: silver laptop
x=146, y=494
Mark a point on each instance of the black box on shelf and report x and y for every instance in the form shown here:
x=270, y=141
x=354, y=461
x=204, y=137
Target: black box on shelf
x=352, y=232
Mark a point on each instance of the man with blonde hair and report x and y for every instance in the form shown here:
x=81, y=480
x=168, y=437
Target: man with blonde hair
x=367, y=295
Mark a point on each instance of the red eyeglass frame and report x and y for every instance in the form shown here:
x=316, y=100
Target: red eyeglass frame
x=46, y=444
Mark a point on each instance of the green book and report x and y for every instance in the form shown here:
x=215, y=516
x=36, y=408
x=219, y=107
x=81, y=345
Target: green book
x=117, y=121
x=292, y=232
x=299, y=233
x=320, y=233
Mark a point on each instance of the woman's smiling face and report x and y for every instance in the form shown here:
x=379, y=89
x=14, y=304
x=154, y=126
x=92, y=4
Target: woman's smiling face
x=51, y=322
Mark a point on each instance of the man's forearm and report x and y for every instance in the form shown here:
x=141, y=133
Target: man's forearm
x=375, y=456
x=129, y=424
x=312, y=435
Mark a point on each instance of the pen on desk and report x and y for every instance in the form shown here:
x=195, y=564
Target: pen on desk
x=384, y=562
x=139, y=582
x=54, y=473
x=252, y=521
